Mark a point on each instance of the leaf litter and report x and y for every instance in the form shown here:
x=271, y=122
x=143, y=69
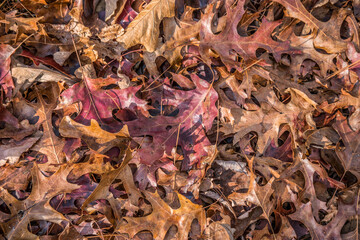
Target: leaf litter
x=154, y=119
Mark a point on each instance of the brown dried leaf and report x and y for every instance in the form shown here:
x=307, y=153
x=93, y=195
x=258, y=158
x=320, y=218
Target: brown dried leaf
x=163, y=217
x=144, y=29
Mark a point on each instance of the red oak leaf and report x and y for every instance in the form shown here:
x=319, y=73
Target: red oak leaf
x=197, y=110
x=99, y=103
x=229, y=44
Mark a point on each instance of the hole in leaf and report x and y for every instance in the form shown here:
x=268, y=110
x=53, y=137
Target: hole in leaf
x=55, y=120
x=124, y=115
x=95, y=177
x=278, y=11
x=217, y=24
x=298, y=178
x=253, y=27
x=144, y=235
x=345, y=30
x=350, y=179
x=22, y=194
x=4, y=208
x=300, y=229
x=350, y=226
x=171, y=233
x=260, y=179
x=195, y=230
x=289, y=207
x=283, y=138
x=298, y=29
x=285, y=59
x=305, y=200
x=259, y=52
x=323, y=13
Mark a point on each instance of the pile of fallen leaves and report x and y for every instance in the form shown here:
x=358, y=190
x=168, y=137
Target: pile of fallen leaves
x=173, y=119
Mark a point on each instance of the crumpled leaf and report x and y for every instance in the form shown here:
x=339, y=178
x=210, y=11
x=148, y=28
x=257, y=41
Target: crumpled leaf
x=25, y=76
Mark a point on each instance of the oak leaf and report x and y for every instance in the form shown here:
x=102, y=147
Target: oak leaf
x=36, y=206
x=96, y=138
x=266, y=121
x=144, y=29
x=228, y=44
x=196, y=112
x=326, y=34
x=49, y=144
x=350, y=155
x=99, y=103
x=163, y=217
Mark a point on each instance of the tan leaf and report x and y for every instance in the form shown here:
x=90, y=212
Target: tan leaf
x=144, y=29
x=185, y=34
x=163, y=217
x=266, y=121
x=326, y=34
x=49, y=144
x=36, y=206
x=96, y=138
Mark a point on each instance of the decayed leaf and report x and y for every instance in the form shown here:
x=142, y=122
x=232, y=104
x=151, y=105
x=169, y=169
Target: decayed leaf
x=144, y=29
x=163, y=217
